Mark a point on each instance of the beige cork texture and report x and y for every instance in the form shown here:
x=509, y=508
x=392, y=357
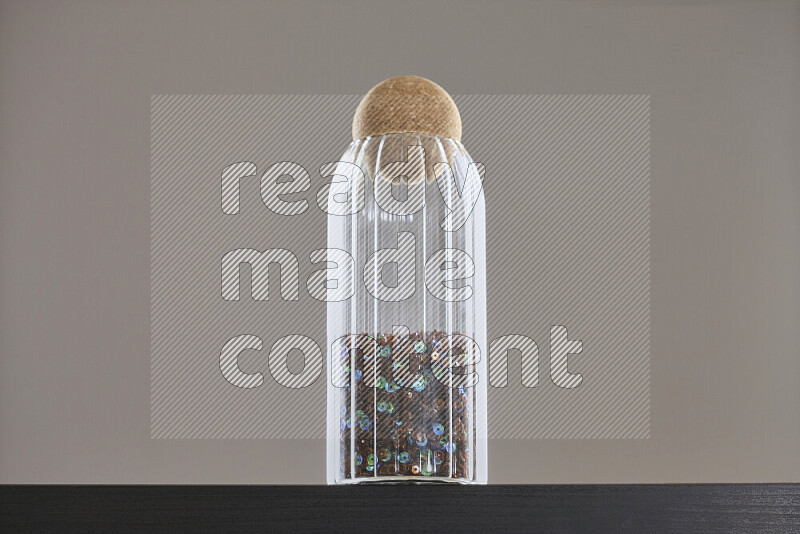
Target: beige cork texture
x=407, y=104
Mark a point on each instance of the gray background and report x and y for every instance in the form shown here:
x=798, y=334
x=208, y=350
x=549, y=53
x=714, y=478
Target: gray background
x=74, y=214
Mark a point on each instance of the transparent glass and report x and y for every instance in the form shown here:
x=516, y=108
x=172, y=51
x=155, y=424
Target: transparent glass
x=407, y=329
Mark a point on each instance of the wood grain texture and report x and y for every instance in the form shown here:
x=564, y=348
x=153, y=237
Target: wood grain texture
x=614, y=508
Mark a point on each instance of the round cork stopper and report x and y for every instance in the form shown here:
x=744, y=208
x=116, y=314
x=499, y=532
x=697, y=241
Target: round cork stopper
x=407, y=104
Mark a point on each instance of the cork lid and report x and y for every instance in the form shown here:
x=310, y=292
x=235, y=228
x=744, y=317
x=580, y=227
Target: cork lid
x=407, y=104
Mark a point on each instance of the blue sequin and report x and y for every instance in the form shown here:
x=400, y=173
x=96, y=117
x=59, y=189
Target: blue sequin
x=438, y=429
x=419, y=346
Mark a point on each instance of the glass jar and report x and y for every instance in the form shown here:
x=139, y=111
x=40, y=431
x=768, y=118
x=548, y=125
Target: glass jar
x=406, y=317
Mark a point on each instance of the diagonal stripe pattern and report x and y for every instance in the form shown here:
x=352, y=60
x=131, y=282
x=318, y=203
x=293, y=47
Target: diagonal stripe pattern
x=568, y=243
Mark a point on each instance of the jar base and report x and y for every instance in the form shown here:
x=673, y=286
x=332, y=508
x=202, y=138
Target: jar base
x=407, y=480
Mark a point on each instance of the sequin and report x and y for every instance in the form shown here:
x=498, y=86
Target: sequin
x=370, y=459
x=407, y=417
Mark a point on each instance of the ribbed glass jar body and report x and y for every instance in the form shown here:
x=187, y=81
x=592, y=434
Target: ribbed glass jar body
x=406, y=323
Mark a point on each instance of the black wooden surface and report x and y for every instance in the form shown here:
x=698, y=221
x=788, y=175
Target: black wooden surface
x=614, y=508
